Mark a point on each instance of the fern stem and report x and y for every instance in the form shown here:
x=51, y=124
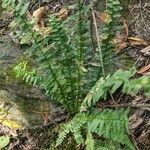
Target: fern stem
x=70, y=72
x=80, y=48
x=98, y=40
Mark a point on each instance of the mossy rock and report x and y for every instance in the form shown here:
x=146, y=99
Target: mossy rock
x=10, y=54
x=23, y=112
x=29, y=102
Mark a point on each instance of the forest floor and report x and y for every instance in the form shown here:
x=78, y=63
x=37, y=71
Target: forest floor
x=137, y=22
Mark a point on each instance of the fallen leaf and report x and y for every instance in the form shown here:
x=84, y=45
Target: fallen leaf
x=11, y=124
x=39, y=14
x=104, y=17
x=137, y=41
x=119, y=41
x=136, y=120
x=121, y=46
x=136, y=123
x=144, y=70
x=63, y=13
x=119, y=38
x=146, y=51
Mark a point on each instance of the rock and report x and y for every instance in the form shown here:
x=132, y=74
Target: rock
x=9, y=54
x=11, y=111
x=27, y=105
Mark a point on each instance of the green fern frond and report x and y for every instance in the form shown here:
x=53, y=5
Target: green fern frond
x=106, y=123
x=110, y=124
x=89, y=141
x=112, y=84
x=73, y=126
x=102, y=87
x=67, y=73
x=78, y=137
x=107, y=145
x=109, y=30
x=30, y=76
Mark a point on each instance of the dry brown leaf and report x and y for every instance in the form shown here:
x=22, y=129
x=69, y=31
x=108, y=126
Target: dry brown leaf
x=119, y=38
x=146, y=51
x=136, y=124
x=136, y=120
x=137, y=41
x=144, y=70
x=63, y=13
x=104, y=17
x=39, y=14
x=121, y=46
x=119, y=41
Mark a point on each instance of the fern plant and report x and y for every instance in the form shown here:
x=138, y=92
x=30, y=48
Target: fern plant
x=59, y=61
x=110, y=124
x=63, y=69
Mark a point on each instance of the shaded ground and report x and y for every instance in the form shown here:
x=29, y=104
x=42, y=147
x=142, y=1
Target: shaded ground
x=139, y=26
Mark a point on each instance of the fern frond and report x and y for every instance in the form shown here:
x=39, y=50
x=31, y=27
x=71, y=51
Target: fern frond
x=106, y=123
x=102, y=87
x=110, y=124
x=30, y=76
x=107, y=145
x=108, y=32
x=78, y=137
x=80, y=47
x=73, y=126
x=89, y=141
x=112, y=84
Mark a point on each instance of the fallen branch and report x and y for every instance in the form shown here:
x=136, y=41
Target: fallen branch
x=141, y=106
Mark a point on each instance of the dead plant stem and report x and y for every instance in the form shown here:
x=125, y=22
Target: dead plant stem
x=98, y=40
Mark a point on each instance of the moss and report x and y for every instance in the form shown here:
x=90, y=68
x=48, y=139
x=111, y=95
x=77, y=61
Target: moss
x=8, y=76
x=39, y=109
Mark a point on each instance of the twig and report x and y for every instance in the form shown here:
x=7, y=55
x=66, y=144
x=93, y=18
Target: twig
x=135, y=143
x=142, y=106
x=116, y=105
x=98, y=41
